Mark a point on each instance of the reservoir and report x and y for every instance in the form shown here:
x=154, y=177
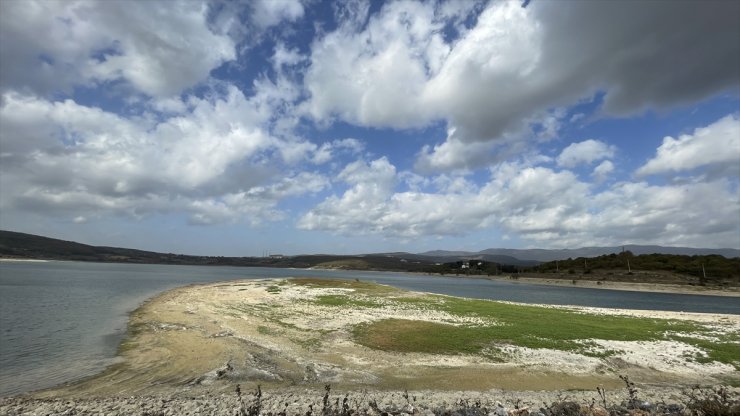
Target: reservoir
x=61, y=321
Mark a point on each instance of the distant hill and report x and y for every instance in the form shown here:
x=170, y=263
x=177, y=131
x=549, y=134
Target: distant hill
x=13, y=244
x=491, y=261
x=543, y=255
x=711, y=269
x=21, y=245
x=454, y=256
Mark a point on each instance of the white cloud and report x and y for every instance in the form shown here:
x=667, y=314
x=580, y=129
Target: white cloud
x=717, y=144
x=268, y=13
x=602, y=172
x=695, y=214
x=585, y=152
x=453, y=155
x=526, y=200
x=536, y=203
x=515, y=64
x=257, y=204
x=158, y=48
x=216, y=161
x=284, y=56
x=375, y=77
x=362, y=205
x=327, y=150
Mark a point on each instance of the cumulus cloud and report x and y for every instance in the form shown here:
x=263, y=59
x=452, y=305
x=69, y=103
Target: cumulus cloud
x=602, y=172
x=716, y=145
x=139, y=139
x=454, y=154
x=585, y=152
x=516, y=62
x=327, y=150
x=268, y=13
x=539, y=204
x=375, y=76
x=158, y=48
x=215, y=162
x=362, y=206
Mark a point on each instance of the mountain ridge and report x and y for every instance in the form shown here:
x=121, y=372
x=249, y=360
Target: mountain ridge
x=545, y=255
x=16, y=244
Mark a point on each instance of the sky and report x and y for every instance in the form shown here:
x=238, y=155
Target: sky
x=301, y=126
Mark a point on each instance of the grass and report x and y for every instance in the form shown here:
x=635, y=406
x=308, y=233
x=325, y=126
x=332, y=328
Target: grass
x=526, y=326
x=402, y=335
x=265, y=330
x=341, y=300
x=507, y=324
x=521, y=325
x=359, y=286
x=727, y=350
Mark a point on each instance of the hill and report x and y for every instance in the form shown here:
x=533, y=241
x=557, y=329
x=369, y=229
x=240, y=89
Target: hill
x=29, y=246
x=714, y=270
x=543, y=255
x=661, y=267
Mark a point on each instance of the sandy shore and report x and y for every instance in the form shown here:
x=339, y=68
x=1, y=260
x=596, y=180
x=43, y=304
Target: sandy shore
x=189, y=348
x=627, y=286
x=13, y=260
x=205, y=339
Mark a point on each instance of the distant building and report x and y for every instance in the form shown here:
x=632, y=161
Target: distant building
x=276, y=256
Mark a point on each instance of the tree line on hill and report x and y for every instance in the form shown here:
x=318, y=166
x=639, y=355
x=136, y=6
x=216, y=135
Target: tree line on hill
x=705, y=269
x=712, y=270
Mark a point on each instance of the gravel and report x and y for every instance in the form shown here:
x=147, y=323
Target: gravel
x=308, y=402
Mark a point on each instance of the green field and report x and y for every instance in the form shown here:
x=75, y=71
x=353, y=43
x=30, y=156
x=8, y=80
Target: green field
x=505, y=324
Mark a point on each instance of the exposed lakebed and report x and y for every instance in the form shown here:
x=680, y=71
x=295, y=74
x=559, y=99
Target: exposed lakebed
x=64, y=320
x=355, y=335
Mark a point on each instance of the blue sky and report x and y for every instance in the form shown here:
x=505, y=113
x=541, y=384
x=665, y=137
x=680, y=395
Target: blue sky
x=238, y=128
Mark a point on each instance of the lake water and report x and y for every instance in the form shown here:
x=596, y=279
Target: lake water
x=60, y=321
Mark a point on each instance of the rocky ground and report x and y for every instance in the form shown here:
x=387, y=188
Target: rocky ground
x=188, y=350
x=308, y=402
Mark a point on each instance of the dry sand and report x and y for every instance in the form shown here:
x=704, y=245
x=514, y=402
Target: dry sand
x=207, y=338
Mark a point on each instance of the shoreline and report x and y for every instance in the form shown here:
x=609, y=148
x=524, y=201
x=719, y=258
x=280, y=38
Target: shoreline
x=19, y=260
x=177, y=315
x=623, y=286
x=301, y=401
x=648, y=287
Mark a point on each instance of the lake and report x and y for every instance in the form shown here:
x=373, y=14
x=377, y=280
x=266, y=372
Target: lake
x=61, y=321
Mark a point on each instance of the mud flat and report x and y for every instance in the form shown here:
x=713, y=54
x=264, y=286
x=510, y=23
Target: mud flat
x=294, y=336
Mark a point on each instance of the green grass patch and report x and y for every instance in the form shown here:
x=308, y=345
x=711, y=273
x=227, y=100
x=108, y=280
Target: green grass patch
x=727, y=350
x=273, y=289
x=525, y=326
x=519, y=325
x=342, y=301
x=265, y=330
x=358, y=285
x=403, y=335
x=416, y=300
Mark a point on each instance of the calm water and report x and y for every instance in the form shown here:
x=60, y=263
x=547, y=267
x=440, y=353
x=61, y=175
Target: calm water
x=61, y=321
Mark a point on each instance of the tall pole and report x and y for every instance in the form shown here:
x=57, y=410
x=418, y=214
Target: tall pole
x=629, y=269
